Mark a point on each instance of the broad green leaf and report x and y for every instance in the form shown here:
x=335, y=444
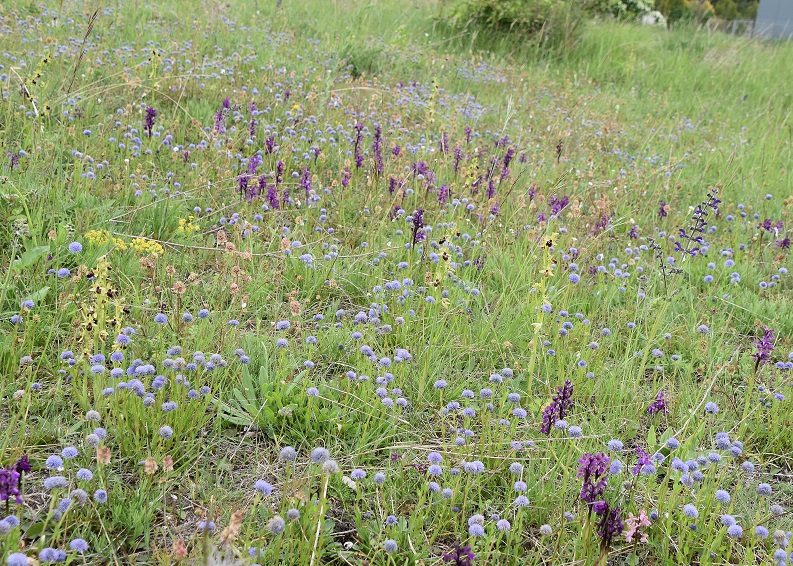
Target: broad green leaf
x=29, y=257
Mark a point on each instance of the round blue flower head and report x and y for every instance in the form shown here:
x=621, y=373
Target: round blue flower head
x=100, y=496
x=17, y=559
x=503, y=525
x=722, y=496
x=55, y=482
x=288, y=454
x=320, y=455
x=79, y=545
x=711, y=408
x=690, y=511
x=735, y=531
x=276, y=525
x=521, y=501
x=84, y=474
x=75, y=247
x=69, y=452
x=204, y=526
x=263, y=487
x=764, y=489
x=476, y=530
x=390, y=546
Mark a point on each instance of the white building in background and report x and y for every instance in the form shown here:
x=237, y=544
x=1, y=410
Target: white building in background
x=775, y=19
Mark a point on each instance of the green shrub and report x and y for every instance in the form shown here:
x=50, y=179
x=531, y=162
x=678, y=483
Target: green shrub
x=542, y=23
x=627, y=9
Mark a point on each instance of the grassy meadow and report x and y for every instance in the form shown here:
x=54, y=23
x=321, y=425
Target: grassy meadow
x=329, y=283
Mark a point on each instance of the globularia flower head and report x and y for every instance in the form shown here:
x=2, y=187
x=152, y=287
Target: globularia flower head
x=55, y=482
x=288, y=454
x=69, y=452
x=263, y=487
x=84, y=474
x=276, y=525
x=320, y=455
x=330, y=467
x=79, y=545
x=476, y=530
x=390, y=546
x=521, y=501
x=722, y=496
x=735, y=531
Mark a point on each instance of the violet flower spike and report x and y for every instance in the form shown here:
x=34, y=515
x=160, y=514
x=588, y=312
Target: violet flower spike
x=765, y=346
x=659, y=405
x=151, y=114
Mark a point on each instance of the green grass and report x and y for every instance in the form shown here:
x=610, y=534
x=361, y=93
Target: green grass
x=622, y=120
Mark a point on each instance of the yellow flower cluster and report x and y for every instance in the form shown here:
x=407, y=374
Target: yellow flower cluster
x=146, y=246
x=187, y=225
x=99, y=237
